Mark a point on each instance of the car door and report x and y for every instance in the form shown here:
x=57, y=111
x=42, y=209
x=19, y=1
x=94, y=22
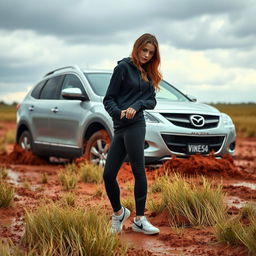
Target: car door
x=67, y=116
x=42, y=110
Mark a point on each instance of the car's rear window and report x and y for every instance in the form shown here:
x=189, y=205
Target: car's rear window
x=36, y=91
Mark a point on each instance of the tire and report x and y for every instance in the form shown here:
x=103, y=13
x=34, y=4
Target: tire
x=97, y=147
x=25, y=141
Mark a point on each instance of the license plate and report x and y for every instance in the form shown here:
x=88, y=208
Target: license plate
x=197, y=149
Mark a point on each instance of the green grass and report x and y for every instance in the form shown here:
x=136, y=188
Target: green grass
x=54, y=230
x=6, y=194
x=243, y=116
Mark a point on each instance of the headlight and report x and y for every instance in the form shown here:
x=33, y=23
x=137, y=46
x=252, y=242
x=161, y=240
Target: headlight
x=227, y=121
x=149, y=118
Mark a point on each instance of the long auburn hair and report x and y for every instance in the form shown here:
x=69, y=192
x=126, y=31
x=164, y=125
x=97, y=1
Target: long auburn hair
x=152, y=67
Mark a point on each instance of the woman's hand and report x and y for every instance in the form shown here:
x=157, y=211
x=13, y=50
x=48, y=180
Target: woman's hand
x=122, y=114
x=130, y=113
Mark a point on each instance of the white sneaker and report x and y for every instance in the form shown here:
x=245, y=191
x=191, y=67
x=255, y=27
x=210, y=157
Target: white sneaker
x=118, y=221
x=144, y=226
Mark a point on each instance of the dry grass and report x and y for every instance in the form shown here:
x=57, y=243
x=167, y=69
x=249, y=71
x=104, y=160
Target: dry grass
x=70, y=231
x=68, y=199
x=91, y=173
x=243, y=116
x=128, y=202
x=68, y=179
x=2, y=145
x=7, y=248
x=10, y=137
x=198, y=205
x=3, y=173
x=44, y=178
x=6, y=194
x=8, y=113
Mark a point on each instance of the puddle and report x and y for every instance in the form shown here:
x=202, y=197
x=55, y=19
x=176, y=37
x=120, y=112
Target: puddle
x=245, y=184
x=150, y=243
x=13, y=177
x=234, y=201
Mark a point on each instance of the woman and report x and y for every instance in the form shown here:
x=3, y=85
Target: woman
x=131, y=90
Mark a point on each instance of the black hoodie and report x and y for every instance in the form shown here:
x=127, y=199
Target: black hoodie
x=128, y=89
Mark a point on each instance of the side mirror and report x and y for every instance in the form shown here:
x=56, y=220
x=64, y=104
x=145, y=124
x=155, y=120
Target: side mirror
x=191, y=97
x=73, y=93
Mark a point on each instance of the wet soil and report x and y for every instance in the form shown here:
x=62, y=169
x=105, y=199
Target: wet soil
x=238, y=176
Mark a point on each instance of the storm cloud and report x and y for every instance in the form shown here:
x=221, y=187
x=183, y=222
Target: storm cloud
x=204, y=44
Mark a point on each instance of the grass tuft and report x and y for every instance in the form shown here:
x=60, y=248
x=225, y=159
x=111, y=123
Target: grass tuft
x=68, y=179
x=196, y=205
x=91, y=173
x=44, y=178
x=128, y=202
x=70, y=231
x=3, y=173
x=248, y=210
x=2, y=145
x=6, y=195
x=68, y=199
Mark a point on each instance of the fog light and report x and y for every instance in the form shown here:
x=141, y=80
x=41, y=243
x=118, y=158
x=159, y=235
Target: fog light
x=232, y=146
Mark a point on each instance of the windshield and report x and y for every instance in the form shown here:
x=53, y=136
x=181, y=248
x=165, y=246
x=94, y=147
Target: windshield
x=100, y=81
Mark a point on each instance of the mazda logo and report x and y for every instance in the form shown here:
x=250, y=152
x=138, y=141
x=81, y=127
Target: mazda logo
x=197, y=121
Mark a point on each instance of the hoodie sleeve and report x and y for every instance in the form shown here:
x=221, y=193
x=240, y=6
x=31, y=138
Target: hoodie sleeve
x=113, y=90
x=148, y=103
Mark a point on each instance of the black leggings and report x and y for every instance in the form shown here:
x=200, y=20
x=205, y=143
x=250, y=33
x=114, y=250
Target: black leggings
x=129, y=141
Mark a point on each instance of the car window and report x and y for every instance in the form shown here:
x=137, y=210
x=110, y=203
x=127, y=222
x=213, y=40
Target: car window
x=168, y=92
x=50, y=89
x=72, y=81
x=36, y=91
x=99, y=82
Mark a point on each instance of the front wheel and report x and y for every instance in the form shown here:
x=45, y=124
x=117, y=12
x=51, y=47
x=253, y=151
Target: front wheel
x=25, y=141
x=96, y=148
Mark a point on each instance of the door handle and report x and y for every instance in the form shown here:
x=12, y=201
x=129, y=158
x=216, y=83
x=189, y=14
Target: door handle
x=55, y=110
x=31, y=108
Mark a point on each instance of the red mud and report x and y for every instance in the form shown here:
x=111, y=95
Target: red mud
x=171, y=241
x=20, y=156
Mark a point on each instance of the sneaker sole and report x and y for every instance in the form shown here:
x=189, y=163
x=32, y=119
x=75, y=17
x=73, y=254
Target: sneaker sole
x=134, y=228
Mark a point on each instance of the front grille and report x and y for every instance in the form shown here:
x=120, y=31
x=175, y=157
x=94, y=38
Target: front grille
x=183, y=120
x=178, y=143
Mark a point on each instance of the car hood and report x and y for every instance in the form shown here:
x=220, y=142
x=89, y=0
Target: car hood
x=164, y=105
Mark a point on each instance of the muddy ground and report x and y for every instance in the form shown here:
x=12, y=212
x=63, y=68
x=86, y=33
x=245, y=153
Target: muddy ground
x=237, y=175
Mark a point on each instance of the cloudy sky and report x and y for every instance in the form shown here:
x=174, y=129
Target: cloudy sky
x=207, y=48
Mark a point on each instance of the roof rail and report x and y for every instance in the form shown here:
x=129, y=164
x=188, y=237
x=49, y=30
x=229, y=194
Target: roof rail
x=73, y=67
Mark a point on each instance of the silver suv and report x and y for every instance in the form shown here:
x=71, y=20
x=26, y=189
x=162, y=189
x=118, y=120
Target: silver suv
x=63, y=116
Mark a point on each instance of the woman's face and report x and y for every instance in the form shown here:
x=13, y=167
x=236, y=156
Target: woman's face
x=146, y=53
